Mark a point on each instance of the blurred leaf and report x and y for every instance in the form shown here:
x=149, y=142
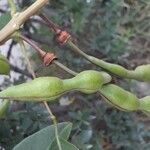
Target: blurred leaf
x=63, y=134
x=44, y=138
x=65, y=146
x=4, y=19
x=4, y=65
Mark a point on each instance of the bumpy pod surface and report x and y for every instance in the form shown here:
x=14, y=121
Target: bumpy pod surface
x=87, y=82
x=143, y=72
x=113, y=68
x=119, y=97
x=145, y=104
x=4, y=65
x=49, y=88
x=4, y=104
x=43, y=88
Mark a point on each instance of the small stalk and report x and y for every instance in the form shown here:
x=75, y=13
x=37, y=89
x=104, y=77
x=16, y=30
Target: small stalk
x=43, y=53
x=65, y=68
x=45, y=103
x=12, y=7
x=63, y=37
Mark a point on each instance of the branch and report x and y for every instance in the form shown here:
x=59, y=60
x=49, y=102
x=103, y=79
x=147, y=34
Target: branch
x=19, y=18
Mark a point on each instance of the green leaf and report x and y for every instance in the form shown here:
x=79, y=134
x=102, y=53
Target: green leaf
x=44, y=138
x=65, y=145
x=64, y=134
x=4, y=65
x=4, y=19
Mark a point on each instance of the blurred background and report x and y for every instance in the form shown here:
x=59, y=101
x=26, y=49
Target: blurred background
x=117, y=31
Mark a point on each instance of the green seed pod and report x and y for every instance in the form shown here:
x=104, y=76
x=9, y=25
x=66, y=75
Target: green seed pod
x=49, y=88
x=88, y=81
x=119, y=97
x=113, y=68
x=3, y=107
x=143, y=72
x=42, y=88
x=4, y=65
x=145, y=104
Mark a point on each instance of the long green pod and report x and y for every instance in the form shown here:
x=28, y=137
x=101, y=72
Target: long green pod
x=113, y=68
x=4, y=65
x=145, y=104
x=89, y=81
x=119, y=97
x=49, y=88
x=42, y=88
x=141, y=73
x=4, y=104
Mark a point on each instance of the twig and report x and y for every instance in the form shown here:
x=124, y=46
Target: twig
x=65, y=68
x=55, y=123
x=19, y=18
x=45, y=103
x=51, y=24
x=41, y=52
x=75, y=48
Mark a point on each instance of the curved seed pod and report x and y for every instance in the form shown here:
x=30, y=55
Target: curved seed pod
x=145, y=104
x=142, y=72
x=88, y=81
x=119, y=97
x=43, y=88
x=49, y=88
x=4, y=65
x=113, y=68
x=3, y=107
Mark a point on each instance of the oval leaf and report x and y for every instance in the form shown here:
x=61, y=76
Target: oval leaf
x=64, y=134
x=43, y=138
x=67, y=146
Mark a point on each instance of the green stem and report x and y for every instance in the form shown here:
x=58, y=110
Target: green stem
x=115, y=68
x=76, y=49
x=45, y=103
x=40, y=51
x=55, y=124
x=12, y=6
x=65, y=68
